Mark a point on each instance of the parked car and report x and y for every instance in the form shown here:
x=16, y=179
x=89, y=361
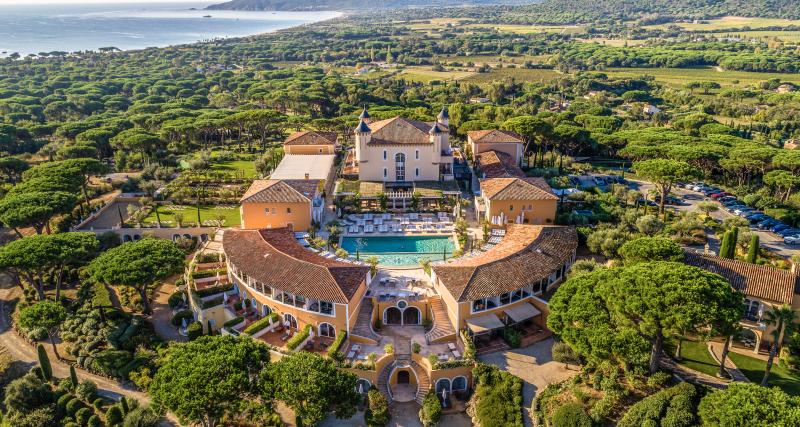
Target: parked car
x=792, y=240
x=767, y=224
x=717, y=196
x=788, y=232
x=727, y=199
x=779, y=227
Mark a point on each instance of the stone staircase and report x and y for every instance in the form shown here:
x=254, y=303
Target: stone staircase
x=442, y=328
x=363, y=326
x=423, y=382
x=383, y=381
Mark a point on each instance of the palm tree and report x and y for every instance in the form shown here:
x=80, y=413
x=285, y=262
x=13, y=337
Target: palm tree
x=783, y=318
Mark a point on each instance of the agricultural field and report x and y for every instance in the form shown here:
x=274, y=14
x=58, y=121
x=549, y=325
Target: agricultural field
x=532, y=29
x=495, y=59
x=728, y=22
x=519, y=74
x=426, y=74
x=678, y=77
x=784, y=36
x=615, y=42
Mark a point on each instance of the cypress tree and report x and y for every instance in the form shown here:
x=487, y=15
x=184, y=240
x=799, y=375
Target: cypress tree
x=725, y=243
x=73, y=376
x=734, y=242
x=44, y=363
x=752, y=251
x=124, y=404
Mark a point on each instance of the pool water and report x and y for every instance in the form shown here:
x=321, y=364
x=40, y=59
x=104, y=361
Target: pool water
x=399, y=250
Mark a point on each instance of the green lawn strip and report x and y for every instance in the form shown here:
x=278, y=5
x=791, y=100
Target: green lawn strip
x=248, y=167
x=753, y=369
x=207, y=213
x=695, y=356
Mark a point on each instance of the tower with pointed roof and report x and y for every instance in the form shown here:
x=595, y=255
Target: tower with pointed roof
x=363, y=135
x=364, y=116
x=444, y=116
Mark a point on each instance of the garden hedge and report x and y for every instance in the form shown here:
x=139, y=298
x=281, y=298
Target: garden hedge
x=571, y=415
x=675, y=407
x=261, y=324
x=233, y=322
x=298, y=338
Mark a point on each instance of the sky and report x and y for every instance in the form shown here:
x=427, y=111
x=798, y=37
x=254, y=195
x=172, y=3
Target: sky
x=4, y=2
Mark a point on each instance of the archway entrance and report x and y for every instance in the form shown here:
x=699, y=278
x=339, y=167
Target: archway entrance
x=403, y=377
x=393, y=316
x=411, y=316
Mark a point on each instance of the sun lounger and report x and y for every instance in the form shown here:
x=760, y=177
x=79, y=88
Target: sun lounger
x=452, y=346
x=387, y=216
x=456, y=354
x=413, y=216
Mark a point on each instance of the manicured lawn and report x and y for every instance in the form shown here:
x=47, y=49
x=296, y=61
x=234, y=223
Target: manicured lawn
x=695, y=356
x=247, y=167
x=207, y=213
x=779, y=376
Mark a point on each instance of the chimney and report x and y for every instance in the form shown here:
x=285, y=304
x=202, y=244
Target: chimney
x=308, y=176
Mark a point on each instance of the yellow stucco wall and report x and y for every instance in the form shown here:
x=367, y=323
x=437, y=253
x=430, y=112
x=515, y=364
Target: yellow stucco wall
x=372, y=169
x=466, y=313
x=543, y=212
x=513, y=150
x=308, y=149
x=254, y=215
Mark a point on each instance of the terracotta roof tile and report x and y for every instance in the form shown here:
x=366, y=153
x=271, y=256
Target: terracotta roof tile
x=497, y=164
x=517, y=189
x=399, y=130
x=280, y=191
x=274, y=257
x=526, y=255
x=757, y=281
x=311, y=138
x=494, y=136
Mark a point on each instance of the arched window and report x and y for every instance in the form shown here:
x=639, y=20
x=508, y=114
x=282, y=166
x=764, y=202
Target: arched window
x=400, y=167
x=392, y=316
x=265, y=311
x=459, y=383
x=411, y=316
x=289, y=321
x=443, y=384
x=327, y=330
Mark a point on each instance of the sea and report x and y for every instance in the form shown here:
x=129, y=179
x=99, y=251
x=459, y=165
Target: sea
x=68, y=27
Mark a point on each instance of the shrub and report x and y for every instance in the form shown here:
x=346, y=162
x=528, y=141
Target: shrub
x=98, y=403
x=27, y=393
x=233, y=322
x=141, y=417
x=175, y=299
x=73, y=406
x=206, y=292
x=388, y=348
x=82, y=416
x=177, y=319
x=298, y=338
x=571, y=415
x=194, y=330
x=416, y=347
x=37, y=334
x=469, y=345
x=512, y=337
x=431, y=411
x=646, y=249
x=377, y=412
x=113, y=416
x=261, y=324
x=94, y=421
x=86, y=391
x=498, y=397
x=336, y=347
x=563, y=353
x=63, y=400
x=674, y=407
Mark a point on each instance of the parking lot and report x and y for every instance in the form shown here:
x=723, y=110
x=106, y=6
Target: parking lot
x=691, y=199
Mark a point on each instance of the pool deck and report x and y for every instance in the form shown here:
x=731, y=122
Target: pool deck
x=404, y=234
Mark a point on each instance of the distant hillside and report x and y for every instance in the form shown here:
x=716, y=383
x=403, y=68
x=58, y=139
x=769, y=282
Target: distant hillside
x=576, y=11
x=288, y=5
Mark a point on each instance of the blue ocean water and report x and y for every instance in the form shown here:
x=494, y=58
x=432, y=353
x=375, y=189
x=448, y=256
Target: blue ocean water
x=34, y=28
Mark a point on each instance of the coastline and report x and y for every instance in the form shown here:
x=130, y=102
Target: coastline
x=30, y=45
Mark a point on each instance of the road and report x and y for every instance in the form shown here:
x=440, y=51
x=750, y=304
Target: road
x=22, y=351
x=768, y=240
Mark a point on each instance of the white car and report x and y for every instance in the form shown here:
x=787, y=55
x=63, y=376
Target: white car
x=792, y=240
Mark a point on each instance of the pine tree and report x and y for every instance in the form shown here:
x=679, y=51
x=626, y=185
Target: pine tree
x=752, y=251
x=44, y=363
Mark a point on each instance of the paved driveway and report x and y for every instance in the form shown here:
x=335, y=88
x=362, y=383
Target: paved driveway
x=535, y=366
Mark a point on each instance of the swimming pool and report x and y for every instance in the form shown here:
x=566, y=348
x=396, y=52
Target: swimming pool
x=399, y=250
